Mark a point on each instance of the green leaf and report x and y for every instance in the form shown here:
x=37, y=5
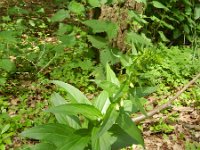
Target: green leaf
x=5, y=128
x=159, y=5
x=101, y=143
x=94, y=3
x=88, y=111
x=120, y=138
x=163, y=37
x=129, y=107
x=63, y=28
x=107, y=56
x=137, y=102
x=102, y=102
x=98, y=42
x=197, y=12
x=75, y=142
x=108, y=120
x=53, y=133
x=75, y=94
x=68, y=40
x=2, y=80
x=142, y=91
x=109, y=87
x=76, y=8
x=72, y=121
x=125, y=122
x=7, y=65
x=8, y=37
x=60, y=15
x=99, y=26
x=110, y=76
x=43, y=146
x=134, y=38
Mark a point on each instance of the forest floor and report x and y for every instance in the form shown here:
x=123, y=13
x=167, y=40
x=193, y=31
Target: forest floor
x=177, y=128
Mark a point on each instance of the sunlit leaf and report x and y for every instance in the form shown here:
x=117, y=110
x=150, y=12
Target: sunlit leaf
x=108, y=120
x=102, y=102
x=88, y=111
x=110, y=76
x=159, y=5
x=76, y=8
x=72, y=121
x=197, y=12
x=94, y=3
x=75, y=94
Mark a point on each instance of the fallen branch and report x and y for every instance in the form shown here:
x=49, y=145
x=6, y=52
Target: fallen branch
x=166, y=105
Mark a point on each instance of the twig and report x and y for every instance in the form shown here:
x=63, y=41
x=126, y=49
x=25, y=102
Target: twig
x=166, y=105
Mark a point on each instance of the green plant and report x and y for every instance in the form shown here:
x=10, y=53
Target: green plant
x=162, y=127
x=102, y=124
x=165, y=21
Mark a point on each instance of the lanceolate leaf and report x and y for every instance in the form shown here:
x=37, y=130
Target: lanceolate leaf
x=125, y=122
x=75, y=142
x=53, y=133
x=120, y=139
x=72, y=121
x=102, y=102
x=110, y=76
x=159, y=5
x=88, y=111
x=101, y=143
x=75, y=94
x=109, y=119
x=43, y=146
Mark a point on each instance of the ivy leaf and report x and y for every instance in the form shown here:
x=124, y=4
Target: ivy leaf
x=60, y=15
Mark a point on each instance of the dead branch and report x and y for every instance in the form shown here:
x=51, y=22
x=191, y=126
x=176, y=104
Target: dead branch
x=166, y=105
